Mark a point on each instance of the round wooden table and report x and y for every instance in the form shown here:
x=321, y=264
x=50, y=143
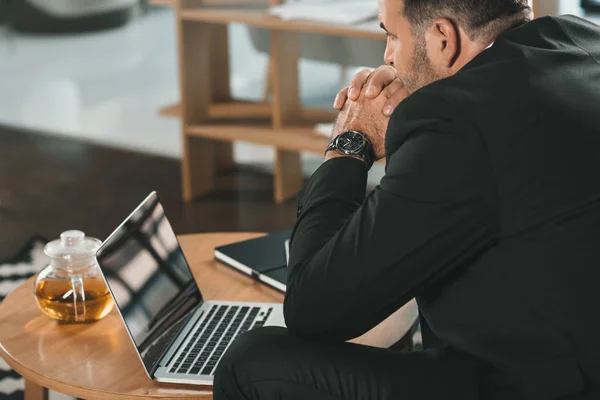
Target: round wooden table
x=98, y=360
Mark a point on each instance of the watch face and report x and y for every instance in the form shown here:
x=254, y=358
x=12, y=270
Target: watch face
x=351, y=142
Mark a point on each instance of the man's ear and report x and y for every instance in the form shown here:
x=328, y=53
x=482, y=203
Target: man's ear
x=444, y=40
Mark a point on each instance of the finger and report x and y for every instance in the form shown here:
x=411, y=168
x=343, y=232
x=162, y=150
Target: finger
x=392, y=88
x=379, y=80
x=357, y=83
x=394, y=100
x=340, y=99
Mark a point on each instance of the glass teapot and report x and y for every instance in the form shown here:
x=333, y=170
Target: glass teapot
x=71, y=288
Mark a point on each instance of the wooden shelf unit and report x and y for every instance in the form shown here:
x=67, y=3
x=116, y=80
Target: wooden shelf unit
x=212, y=119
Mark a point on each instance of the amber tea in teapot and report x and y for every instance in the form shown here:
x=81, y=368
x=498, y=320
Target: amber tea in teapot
x=51, y=298
x=71, y=288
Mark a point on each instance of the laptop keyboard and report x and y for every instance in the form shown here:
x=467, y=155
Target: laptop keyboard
x=213, y=336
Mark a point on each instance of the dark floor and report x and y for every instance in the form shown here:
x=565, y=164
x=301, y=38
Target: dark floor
x=49, y=184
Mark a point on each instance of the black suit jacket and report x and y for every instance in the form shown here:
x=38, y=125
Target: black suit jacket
x=488, y=214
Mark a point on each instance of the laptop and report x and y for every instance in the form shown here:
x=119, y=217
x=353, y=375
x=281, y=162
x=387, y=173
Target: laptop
x=179, y=336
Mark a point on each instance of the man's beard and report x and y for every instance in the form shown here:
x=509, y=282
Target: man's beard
x=421, y=72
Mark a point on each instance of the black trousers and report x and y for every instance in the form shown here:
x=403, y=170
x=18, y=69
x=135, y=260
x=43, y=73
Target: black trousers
x=270, y=363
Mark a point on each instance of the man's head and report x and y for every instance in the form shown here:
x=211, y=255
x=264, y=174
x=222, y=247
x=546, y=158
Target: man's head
x=429, y=40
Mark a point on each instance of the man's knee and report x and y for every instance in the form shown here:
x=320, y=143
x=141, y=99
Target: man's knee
x=251, y=354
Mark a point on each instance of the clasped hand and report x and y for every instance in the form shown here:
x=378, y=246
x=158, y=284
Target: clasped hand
x=367, y=104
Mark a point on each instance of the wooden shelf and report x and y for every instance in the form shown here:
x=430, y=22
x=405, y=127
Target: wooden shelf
x=262, y=19
x=253, y=110
x=233, y=109
x=301, y=138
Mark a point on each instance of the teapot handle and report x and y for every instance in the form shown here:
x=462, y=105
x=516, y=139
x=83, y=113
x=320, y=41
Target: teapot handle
x=78, y=299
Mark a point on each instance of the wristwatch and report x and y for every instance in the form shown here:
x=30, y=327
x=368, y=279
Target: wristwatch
x=353, y=143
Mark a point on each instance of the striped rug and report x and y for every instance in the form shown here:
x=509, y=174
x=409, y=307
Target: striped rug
x=13, y=272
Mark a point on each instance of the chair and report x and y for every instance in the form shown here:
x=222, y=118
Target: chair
x=61, y=16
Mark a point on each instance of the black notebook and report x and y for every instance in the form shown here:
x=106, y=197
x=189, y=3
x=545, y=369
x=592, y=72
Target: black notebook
x=263, y=258
x=276, y=278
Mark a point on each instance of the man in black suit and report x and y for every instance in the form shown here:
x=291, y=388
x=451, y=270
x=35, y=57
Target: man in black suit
x=488, y=215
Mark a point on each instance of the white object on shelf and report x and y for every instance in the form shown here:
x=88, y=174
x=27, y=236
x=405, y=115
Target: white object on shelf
x=334, y=11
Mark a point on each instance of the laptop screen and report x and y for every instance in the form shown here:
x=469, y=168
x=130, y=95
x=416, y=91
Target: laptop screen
x=149, y=279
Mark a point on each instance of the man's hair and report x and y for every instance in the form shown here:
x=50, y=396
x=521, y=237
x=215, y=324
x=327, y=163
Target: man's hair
x=479, y=18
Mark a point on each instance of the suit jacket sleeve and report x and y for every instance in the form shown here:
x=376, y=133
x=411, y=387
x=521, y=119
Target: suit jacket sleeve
x=355, y=260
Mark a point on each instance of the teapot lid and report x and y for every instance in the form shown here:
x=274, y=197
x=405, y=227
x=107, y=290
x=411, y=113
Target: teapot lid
x=72, y=245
